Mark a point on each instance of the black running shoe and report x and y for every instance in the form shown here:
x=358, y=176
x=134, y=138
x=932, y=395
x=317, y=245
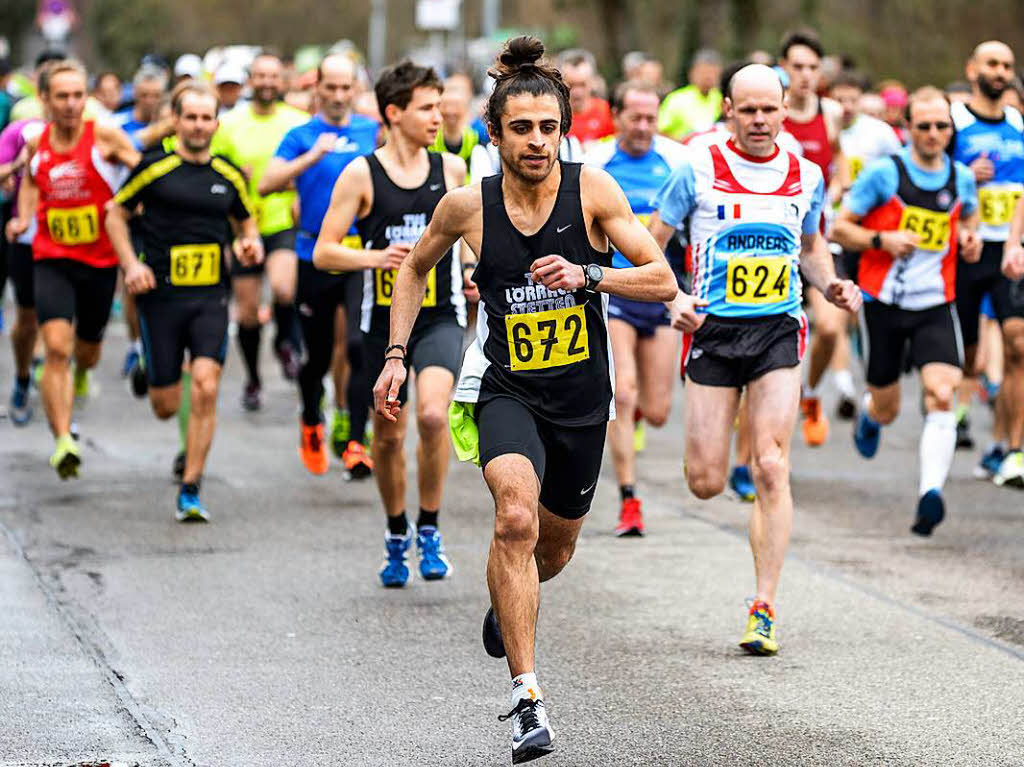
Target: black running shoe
x=290, y=360
x=532, y=736
x=178, y=467
x=964, y=440
x=251, y=399
x=139, y=381
x=846, y=409
x=930, y=511
x=493, y=642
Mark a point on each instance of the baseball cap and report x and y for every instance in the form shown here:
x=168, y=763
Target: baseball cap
x=229, y=72
x=188, y=65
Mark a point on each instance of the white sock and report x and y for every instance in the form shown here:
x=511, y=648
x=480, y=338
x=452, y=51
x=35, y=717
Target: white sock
x=865, y=407
x=938, y=443
x=809, y=393
x=843, y=379
x=137, y=345
x=525, y=686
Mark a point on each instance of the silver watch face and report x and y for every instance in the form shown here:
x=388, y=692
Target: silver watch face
x=594, y=273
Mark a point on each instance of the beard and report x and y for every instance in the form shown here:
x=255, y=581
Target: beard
x=990, y=89
x=197, y=144
x=266, y=96
x=510, y=164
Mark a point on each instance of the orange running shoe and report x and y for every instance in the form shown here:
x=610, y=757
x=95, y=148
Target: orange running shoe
x=815, y=423
x=631, y=518
x=358, y=464
x=312, y=448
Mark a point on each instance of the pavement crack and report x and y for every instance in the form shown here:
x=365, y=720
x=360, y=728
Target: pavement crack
x=84, y=636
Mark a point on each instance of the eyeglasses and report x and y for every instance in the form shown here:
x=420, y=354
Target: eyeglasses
x=929, y=126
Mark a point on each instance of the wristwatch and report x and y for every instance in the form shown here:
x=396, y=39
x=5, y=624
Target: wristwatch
x=876, y=241
x=593, y=275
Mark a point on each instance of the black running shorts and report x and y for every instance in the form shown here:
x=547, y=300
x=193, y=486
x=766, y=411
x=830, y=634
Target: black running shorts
x=973, y=281
x=898, y=339
x=567, y=459
x=438, y=344
x=733, y=351
x=171, y=325
x=73, y=291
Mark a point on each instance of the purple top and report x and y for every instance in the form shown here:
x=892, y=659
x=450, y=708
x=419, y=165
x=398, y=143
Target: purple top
x=11, y=142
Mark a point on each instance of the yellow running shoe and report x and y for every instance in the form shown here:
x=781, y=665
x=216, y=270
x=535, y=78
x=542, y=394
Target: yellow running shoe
x=65, y=458
x=81, y=384
x=639, y=436
x=760, y=636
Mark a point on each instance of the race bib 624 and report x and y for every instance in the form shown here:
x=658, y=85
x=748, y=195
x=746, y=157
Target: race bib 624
x=757, y=280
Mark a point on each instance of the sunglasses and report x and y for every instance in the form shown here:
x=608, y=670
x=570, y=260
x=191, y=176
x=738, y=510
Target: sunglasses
x=929, y=126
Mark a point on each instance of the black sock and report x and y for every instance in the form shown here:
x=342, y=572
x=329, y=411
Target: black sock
x=23, y=382
x=249, y=342
x=398, y=525
x=284, y=318
x=627, y=491
x=427, y=519
x=190, y=487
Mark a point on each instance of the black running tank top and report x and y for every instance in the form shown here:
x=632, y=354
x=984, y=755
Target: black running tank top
x=547, y=349
x=401, y=215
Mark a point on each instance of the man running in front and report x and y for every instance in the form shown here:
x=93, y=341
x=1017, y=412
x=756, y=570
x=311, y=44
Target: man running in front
x=75, y=167
x=908, y=215
x=754, y=214
x=191, y=201
x=390, y=195
x=536, y=385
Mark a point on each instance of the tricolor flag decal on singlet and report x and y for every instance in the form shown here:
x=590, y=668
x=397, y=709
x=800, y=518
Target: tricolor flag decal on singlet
x=722, y=212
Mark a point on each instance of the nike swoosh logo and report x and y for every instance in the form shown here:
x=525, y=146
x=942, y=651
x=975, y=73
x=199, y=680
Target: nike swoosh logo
x=561, y=229
x=586, y=490
x=434, y=187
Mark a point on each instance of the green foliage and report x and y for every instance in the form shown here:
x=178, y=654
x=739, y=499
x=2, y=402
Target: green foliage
x=124, y=30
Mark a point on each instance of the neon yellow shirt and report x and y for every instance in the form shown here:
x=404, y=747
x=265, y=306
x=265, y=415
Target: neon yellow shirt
x=687, y=110
x=249, y=141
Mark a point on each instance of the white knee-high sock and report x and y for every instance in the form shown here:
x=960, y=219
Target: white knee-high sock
x=938, y=443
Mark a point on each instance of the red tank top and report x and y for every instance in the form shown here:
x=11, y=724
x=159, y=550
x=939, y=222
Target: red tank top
x=813, y=137
x=74, y=188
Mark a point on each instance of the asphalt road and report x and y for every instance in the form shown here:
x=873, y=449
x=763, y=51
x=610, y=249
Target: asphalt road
x=264, y=638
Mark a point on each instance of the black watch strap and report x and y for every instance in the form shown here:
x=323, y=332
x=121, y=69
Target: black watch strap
x=876, y=241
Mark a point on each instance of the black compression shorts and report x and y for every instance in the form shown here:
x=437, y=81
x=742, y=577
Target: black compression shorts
x=567, y=460
x=733, y=351
x=73, y=291
x=170, y=326
x=896, y=339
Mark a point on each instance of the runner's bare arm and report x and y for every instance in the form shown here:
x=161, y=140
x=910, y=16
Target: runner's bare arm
x=138, y=277
x=818, y=269
x=280, y=173
x=970, y=240
x=28, y=199
x=350, y=200
x=683, y=307
x=650, y=278
x=848, y=232
x=248, y=246
x=1013, y=253
x=117, y=146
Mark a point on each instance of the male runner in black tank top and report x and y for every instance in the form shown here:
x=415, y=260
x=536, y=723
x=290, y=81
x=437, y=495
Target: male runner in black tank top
x=391, y=195
x=537, y=381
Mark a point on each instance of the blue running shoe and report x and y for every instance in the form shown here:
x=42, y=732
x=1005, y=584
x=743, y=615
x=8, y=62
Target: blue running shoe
x=742, y=484
x=190, y=509
x=20, y=409
x=394, y=574
x=990, y=463
x=930, y=511
x=866, y=436
x=434, y=565
x=131, y=361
